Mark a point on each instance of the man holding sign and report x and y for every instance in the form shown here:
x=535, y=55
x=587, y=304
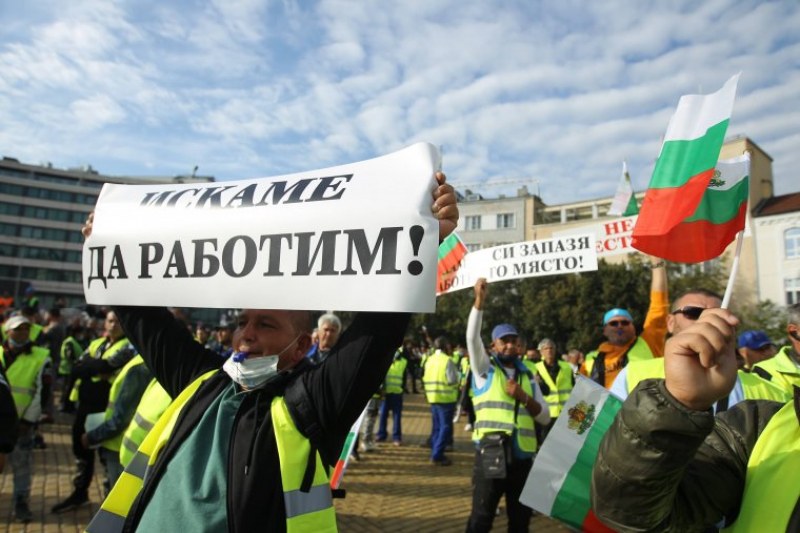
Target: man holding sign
x=245, y=447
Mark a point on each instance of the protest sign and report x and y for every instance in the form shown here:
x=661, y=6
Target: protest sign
x=547, y=257
x=613, y=237
x=357, y=237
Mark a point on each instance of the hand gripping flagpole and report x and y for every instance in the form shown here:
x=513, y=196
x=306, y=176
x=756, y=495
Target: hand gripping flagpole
x=734, y=268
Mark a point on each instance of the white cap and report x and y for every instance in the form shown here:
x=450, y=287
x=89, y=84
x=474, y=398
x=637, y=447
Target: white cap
x=14, y=322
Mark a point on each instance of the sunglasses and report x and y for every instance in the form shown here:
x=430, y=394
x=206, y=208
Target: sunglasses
x=691, y=312
x=619, y=323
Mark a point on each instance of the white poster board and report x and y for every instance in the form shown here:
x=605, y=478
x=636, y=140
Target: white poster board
x=355, y=237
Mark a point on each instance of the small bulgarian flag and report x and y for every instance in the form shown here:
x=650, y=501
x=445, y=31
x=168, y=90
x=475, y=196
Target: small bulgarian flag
x=671, y=223
x=347, y=450
x=451, y=251
x=559, y=482
x=624, y=202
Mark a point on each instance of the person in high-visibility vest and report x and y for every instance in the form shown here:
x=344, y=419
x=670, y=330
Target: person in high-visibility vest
x=154, y=402
x=682, y=468
x=783, y=369
x=622, y=343
x=507, y=402
x=126, y=391
x=556, y=381
x=392, y=401
x=244, y=447
x=754, y=346
x=93, y=374
x=440, y=379
x=27, y=369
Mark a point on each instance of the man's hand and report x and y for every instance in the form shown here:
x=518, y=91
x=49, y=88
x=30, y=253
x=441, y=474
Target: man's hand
x=444, y=207
x=700, y=361
x=86, y=230
x=481, y=288
x=514, y=390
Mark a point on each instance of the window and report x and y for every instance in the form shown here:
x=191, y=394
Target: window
x=791, y=241
x=472, y=222
x=473, y=247
x=792, y=287
x=505, y=220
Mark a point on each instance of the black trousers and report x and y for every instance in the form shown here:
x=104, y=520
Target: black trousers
x=84, y=458
x=486, y=495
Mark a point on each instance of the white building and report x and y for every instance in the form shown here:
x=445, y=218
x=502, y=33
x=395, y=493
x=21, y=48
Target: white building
x=776, y=228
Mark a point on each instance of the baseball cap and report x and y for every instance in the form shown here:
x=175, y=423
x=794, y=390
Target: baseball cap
x=502, y=330
x=14, y=322
x=753, y=339
x=611, y=313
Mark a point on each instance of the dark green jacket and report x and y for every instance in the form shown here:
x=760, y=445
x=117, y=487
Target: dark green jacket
x=663, y=467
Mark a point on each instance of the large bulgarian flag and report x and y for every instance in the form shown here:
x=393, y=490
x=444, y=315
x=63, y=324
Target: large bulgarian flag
x=451, y=251
x=559, y=482
x=675, y=221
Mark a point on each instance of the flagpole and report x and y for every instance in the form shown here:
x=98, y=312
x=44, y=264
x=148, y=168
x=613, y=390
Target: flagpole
x=734, y=268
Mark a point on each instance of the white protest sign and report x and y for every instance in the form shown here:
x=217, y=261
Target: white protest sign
x=613, y=237
x=357, y=237
x=546, y=257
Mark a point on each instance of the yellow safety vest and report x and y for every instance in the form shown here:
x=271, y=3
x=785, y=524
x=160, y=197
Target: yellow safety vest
x=437, y=390
x=114, y=443
x=494, y=411
x=784, y=372
x=394, y=377
x=771, y=490
x=154, y=402
x=640, y=351
x=560, y=389
x=641, y=370
x=756, y=388
x=65, y=364
x=311, y=511
x=22, y=375
x=94, y=346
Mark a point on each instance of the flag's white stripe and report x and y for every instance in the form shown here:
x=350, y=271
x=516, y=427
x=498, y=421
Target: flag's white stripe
x=698, y=112
x=732, y=171
x=560, y=450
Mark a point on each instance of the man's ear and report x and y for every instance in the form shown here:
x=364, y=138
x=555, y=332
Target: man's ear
x=304, y=343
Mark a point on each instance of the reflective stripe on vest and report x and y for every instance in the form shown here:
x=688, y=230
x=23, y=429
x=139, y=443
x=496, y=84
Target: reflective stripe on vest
x=154, y=402
x=305, y=511
x=494, y=411
x=115, y=508
x=394, y=377
x=23, y=375
x=770, y=490
x=560, y=389
x=113, y=443
x=437, y=390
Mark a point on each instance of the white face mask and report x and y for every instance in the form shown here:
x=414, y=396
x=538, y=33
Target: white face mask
x=253, y=372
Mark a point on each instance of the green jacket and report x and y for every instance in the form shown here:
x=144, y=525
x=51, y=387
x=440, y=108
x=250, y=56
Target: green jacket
x=696, y=463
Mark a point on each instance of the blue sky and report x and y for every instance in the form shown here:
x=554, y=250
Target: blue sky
x=552, y=94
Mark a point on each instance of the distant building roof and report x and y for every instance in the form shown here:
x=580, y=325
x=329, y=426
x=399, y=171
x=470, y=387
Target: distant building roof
x=777, y=205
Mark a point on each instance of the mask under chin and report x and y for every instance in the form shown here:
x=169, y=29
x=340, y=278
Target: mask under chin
x=506, y=359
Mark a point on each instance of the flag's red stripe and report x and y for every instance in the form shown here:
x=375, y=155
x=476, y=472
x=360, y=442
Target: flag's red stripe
x=337, y=474
x=692, y=242
x=591, y=524
x=663, y=209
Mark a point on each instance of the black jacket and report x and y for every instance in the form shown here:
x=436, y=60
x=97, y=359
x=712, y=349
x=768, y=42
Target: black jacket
x=323, y=401
x=9, y=421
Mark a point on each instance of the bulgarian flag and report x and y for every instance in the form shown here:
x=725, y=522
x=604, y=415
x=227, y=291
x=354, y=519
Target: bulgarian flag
x=672, y=224
x=347, y=451
x=451, y=251
x=624, y=202
x=558, y=485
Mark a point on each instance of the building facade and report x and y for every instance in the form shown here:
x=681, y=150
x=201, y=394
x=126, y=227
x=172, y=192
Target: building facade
x=776, y=227
x=42, y=210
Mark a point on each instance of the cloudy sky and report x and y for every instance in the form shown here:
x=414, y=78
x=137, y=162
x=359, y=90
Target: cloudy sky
x=552, y=94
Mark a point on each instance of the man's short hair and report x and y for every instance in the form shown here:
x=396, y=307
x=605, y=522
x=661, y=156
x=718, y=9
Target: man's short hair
x=546, y=342
x=330, y=318
x=441, y=343
x=701, y=291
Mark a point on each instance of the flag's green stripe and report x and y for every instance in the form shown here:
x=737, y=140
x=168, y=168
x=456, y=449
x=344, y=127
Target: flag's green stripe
x=448, y=245
x=572, y=501
x=347, y=446
x=680, y=160
x=632, y=208
x=718, y=207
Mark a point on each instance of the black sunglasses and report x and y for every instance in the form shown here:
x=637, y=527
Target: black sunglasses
x=619, y=323
x=691, y=312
